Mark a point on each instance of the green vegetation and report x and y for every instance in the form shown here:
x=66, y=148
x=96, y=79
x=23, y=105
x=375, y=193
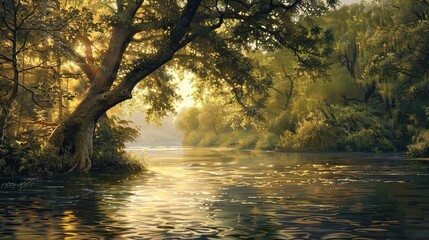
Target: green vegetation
x=64, y=64
x=27, y=156
x=290, y=75
x=372, y=96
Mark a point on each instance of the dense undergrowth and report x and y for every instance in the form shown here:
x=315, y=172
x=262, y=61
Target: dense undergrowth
x=27, y=156
x=356, y=131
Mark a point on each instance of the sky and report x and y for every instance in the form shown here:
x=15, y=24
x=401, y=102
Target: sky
x=348, y=2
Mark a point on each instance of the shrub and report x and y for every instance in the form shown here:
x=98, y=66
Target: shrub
x=10, y=153
x=311, y=136
x=248, y=141
x=420, y=145
x=192, y=138
x=45, y=162
x=124, y=162
x=209, y=139
x=109, y=147
x=26, y=156
x=287, y=141
x=229, y=139
x=368, y=140
x=268, y=141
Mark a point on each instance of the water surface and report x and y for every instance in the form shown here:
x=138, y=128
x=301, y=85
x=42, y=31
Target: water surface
x=222, y=194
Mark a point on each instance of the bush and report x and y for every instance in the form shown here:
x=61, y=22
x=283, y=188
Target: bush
x=26, y=156
x=311, y=136
x=111, y=135
x=241, y=139
x=288, y=142
x=109, y=147
x=45, y=162
x=368, y=140
x=229, y=139
x=192, y=138
x=363, y=129
x=420, y=145
x=209, y=139
x=268, y=141
x=248, y=141
x=10, y=153
x=120, y=162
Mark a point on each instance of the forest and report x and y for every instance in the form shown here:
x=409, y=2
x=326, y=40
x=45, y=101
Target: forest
x=370, y=94
x=299, y=75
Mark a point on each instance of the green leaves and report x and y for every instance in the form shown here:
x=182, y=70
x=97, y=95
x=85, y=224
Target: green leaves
x=375, y=56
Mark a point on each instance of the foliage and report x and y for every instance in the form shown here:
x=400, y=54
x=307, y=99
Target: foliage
x=208, y=139
x=109, y=146
x=26, y=155
x=311, y=136
x=124, y=162
x=363, y=129
x=267, y=141
x=249, y=140
x=420, y=145
x=208, y=126
x=370, y=98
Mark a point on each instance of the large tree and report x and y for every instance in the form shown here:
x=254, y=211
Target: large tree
x=209, y=37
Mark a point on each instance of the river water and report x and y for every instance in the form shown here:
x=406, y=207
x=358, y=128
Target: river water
x=224, y=194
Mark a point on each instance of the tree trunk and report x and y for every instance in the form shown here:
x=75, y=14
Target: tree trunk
x=75, y=139
x=3, y=120
x=74, y=136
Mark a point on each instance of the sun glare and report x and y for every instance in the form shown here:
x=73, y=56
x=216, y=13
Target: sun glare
x=186, y=90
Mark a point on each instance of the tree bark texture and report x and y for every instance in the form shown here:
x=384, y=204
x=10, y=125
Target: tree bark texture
x=74, y=136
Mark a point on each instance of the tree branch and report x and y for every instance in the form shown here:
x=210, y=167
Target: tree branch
x=30, y=91
x=184, y=23
x=89, y=68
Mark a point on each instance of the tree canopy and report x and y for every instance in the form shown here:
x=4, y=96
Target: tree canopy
x=296, y=75
x=373, y=96
x=112, y=47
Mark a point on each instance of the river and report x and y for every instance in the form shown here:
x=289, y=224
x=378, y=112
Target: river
x=227, y=194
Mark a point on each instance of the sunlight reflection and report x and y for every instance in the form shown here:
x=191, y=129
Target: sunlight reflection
x=69, y=223
x=203, y=194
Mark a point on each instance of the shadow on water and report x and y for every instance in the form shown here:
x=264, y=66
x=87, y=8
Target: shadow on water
x=222, y=194
x=72, y=206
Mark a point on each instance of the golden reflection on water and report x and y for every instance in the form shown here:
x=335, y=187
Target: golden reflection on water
x=69, y=222
x=205, y=193
x=186, y=192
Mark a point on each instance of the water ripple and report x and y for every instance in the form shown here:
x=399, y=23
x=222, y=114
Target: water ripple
x=208, y=194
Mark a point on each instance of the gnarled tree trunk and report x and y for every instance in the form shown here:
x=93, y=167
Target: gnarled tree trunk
x=74, y=136
x=75, y=140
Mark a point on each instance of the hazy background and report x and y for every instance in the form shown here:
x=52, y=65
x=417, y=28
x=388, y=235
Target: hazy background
x=166, y=134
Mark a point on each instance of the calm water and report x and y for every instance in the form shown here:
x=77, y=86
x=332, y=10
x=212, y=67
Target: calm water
x=214, y=194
